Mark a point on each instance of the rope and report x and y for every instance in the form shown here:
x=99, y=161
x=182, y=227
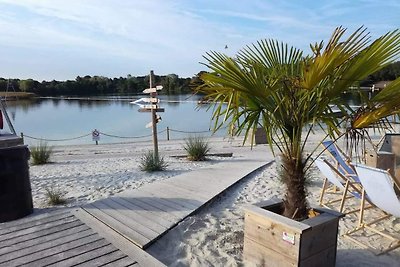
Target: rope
x=130, y=137
x=179, y=131
x=57, y=140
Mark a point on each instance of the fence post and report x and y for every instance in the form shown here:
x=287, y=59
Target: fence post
x=167, y=133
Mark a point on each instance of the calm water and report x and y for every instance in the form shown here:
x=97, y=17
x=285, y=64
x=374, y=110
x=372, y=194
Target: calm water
x=59, y=119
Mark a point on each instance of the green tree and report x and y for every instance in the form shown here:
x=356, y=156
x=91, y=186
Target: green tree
x=289, y=94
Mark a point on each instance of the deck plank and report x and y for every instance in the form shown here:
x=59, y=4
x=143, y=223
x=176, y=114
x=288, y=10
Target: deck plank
x=149, y=216
x=40, y=233
x=48, y=240
x=47, y=225
x=46, y=255
x=116, y=225
x=91, y=255
x=34, y=221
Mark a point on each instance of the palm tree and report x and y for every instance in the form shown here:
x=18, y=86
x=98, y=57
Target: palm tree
x=289, y=94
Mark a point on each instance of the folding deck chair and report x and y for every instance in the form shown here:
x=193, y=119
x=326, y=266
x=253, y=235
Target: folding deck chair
x=342, y=162
x=378, y=184
x=339, y=181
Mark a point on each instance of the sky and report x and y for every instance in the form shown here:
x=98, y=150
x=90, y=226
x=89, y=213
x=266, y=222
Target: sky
x=63, y=39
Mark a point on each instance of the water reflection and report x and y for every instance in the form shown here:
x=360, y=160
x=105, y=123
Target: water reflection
x=55, y=118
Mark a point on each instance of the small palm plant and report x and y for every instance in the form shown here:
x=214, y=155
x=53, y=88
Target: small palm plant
x=41, y=153
x=197, y=148
x=149, y=163
x=289, y=94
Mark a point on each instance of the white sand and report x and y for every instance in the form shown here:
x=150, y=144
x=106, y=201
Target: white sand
x=212, y=237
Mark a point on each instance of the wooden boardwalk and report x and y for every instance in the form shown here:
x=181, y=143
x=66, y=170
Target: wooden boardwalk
x=144, y=215
x=114, y=231
x=56, y=239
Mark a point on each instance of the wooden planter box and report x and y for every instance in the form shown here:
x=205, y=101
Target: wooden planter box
x=271, y=239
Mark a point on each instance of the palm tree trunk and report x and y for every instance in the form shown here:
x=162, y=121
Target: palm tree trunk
x=293, y=175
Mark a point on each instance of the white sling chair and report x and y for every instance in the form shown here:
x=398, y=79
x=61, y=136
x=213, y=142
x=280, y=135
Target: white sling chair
x=344, y=183
x=378, y=184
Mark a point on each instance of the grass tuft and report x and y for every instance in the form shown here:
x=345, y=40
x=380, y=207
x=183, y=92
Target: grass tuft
x=55, y=197
x=197, y=148
x=41, y=153
x=149, y=163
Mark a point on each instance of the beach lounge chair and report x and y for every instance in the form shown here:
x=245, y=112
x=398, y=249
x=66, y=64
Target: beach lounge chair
x=378, y=185
x=342, y=162
x=342, y=186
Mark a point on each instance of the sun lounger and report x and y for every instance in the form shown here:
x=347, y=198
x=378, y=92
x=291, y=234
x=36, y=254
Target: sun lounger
x=378, y=184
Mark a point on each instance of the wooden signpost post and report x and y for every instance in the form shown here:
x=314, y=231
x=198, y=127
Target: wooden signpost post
x=151, y=105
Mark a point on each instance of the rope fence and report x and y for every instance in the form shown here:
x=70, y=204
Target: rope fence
x=96, y=135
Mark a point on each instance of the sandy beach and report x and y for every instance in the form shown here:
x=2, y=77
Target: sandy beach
x=213, y=236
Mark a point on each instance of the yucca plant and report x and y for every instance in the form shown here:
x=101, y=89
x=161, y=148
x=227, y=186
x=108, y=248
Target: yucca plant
x=150, y=163
x=41, y=153
x=290, y=93
x=196, y=148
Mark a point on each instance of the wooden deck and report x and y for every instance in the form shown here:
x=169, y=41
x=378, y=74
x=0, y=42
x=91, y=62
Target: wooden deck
x=144, y=215
x=57, y=239
x=114, y=231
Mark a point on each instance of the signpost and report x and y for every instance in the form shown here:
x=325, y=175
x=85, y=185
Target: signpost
x=150, y=104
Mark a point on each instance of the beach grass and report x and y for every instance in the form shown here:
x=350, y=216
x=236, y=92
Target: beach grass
x=149, y=163
x=41, y=153
x=196, y=148
x=55, y=196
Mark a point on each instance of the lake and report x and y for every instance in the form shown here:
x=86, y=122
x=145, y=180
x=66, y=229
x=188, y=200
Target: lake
x=55, y=119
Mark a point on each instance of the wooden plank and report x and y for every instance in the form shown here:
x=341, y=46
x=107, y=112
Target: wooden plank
x=134, y=215
x=43, y=246
x=95, y=256
x=269, y=234
x=119, y=241
x=39, y=233
x=117, y=226
x=44, y=256
x=26, y=222
x=157, y=213
x=66, y=254
x=53, y=237
x=17, y=230
x=195, y=197
x=124, y=262
x=258, y=255
x=320, y=237
x=159, y=204
x=100, y=258
x=159, y=222
x=35, y=228
x=171, y=200
x=130, y=218
x=326, y=257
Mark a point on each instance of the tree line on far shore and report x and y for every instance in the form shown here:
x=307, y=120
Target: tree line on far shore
x=172, y=84
x=100, y=85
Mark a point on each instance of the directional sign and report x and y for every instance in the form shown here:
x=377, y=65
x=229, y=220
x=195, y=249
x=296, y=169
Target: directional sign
x=150, y=124
x=149, y=106
x=152, y=100
x=149, y=110
x=150, y=90
x=153, y=90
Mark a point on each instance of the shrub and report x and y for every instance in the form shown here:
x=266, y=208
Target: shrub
x=41, y=153
x=197, y=148
x=55, y=197
x=149, y=163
